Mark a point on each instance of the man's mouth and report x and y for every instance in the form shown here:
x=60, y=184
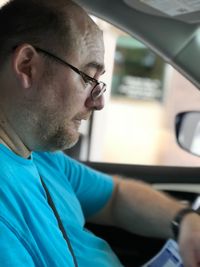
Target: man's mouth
x=77, y=122
x=83, y=117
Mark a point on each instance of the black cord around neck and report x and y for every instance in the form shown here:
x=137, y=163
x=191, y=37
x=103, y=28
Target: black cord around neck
x=60, y=224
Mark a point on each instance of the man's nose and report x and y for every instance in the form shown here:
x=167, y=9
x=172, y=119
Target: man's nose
x=97, y=104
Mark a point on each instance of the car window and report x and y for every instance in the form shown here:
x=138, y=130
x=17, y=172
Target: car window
x=144, y=94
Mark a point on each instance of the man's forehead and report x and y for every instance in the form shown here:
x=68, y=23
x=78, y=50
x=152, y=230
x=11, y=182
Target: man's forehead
x=88, y=43
x=91, y=52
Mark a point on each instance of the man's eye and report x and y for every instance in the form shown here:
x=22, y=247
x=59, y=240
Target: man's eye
x=87, y=80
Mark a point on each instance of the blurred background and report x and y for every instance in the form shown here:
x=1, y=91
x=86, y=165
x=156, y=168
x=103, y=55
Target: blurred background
x=143, y=96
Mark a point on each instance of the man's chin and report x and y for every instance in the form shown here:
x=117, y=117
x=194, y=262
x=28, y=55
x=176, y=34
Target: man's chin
x=70, y=141
x=70, y=145
x=62, y=142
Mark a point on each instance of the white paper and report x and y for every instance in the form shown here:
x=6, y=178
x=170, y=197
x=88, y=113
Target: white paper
x=175, y=7
x=168, y=256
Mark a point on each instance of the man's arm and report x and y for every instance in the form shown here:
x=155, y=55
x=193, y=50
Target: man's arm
x=136, y=207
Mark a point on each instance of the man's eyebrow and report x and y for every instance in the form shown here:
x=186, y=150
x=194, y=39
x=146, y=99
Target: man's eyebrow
x=97, y=66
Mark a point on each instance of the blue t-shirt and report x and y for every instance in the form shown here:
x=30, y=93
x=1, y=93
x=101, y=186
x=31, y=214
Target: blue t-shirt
x=29, y=232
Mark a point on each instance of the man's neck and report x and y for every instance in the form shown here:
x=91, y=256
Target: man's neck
x=10, y=139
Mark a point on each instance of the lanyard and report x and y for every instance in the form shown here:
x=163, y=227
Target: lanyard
x=60, y=224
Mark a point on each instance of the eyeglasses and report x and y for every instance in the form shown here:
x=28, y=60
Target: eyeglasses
x=98, y=88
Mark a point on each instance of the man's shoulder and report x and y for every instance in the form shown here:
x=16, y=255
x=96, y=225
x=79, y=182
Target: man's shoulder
x=49, y=156
x=58, y=158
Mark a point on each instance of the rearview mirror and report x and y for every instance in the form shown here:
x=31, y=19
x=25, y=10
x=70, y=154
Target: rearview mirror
x=188, y=131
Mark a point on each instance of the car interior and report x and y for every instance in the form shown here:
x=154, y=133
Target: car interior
x=171, y=30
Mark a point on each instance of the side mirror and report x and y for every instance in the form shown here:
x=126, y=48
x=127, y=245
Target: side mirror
x=188, y=131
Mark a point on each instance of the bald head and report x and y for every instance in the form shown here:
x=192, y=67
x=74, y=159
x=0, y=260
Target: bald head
x=55, y=25
x=44, y=100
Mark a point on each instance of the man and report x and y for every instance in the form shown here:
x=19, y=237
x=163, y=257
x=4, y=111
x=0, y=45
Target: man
x=51, y=56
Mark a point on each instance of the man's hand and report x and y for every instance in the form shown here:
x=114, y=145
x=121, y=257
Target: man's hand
x=189, y=240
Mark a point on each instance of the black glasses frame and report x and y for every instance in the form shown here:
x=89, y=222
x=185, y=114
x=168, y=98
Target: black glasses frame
x=98, y=87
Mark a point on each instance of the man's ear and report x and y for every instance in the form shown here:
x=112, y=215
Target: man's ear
x=23, y=62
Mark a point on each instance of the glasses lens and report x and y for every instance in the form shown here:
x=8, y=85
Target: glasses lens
x=98, y=90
